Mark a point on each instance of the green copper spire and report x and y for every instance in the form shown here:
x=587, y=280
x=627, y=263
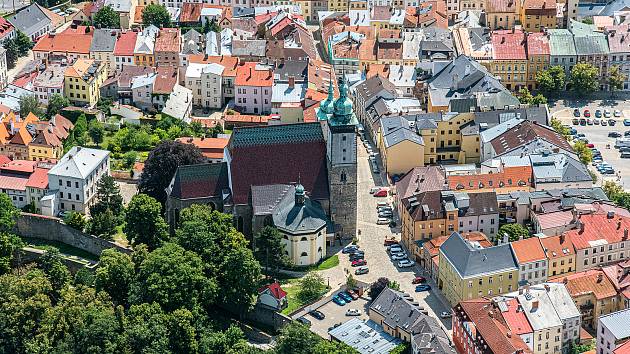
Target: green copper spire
x=343, y=113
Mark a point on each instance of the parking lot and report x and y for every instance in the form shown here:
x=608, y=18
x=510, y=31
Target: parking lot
x=598, y=136
x=336, y=314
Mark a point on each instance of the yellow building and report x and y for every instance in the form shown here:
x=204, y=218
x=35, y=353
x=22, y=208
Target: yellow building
x=358, y=4
x=594, y=295
x=424, y=216
x=467, y=271
x=538, y=14
x=538, y=54
x=338, y=5
x=509, y=58
x=83, y=80
x=501, y=14
x=560, y=255
x=401, y=148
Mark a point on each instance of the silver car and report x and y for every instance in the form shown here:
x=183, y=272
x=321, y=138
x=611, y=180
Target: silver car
x=398, y=256
x=405, y=263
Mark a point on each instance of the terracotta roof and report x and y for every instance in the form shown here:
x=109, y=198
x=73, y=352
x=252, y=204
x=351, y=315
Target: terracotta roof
x=38, y=179
x=24, y=80
x=191, y=12
x=229, y=63
x=15, y=183
x=211, y=148
x=71, y=40
x=508, y=45
x=619, y=275
x=598, y=227
x=245, y=118
x=528, y=250
x=557, y=246
x=501, y=6
x=137, y=16
x=623, y=349
x=433, y=245
x=538, y=44
x=168, y=40
x=516, y=320
x=19, y=166
x=389, y=51
x=6, y=28
x=367, y=50
x=531, y=6
x=275, y=289
x=592, y=281
x=4, y=159
x=519, y=176
x=377, y=69
x=493, y=329
x=435, y=16
x=247, y=75
x=165, y=80
x=21, y=137
x=524, y=133
x=126, y=43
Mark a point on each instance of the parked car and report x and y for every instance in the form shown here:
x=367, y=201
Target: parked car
x=598, y=113
x=398, y=256
x=374, y=190
x=625, y=155
x=390, y=242
x=590, y=145
x=445, y=314
x=607, y=113
x=353, y=312
x=350, y=249
x=596, y=121
x=381, y=193
x=423, y=287
x=362, y=270
x=576, y=121
x=357, y=256
x=612, y=122
x=418, y=280
x=405, y=263
x=626, y=122
x=353, y=294
x=317, y=314
x=582, y=121
x=604, y=122
x=587, y=113
x=589, y=121
x=358, y=263
x=617, y=113
x=576, y=112
x=614, y=135
x=394, y=248
x=338, y=300
x=304, y=321
x=382, y=221
x=347, y=298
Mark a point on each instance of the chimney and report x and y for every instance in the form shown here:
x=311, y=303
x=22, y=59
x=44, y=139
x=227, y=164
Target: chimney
x=600, y=277
x=291, y=81
x=625, y=234
x=547, y=288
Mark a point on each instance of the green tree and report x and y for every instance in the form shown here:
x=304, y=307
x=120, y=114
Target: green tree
x=75, y=220
x=9, y=243
x=351, y=283
x=270, y=248
x=56, y=271
x=103, y=225
x=30, y=104
x=144, y=222
x=157, y=15
x=230, y=341
x=84, y=277
x=161, y=165
x=146, y=329
x=584, y=152
x=8, y=213
x=552, y=80
x=24, y=299
x=514, y=231
x=96, y=131
x=182, y=333
x=584, y=78
x=23, y=43
x=557, y=125
x=296, y=338
x=615, y=78
x=588, y=20
x=108, y=197
x=525, y=97
x=106, y=17
x=174, y=278
x=115, y=275
x=129, y=159
x=612, y=190
x=56, y=103
x=403, y=348
x=12, y=52
x=394, y=285
x=79, y=133
x=312, y=286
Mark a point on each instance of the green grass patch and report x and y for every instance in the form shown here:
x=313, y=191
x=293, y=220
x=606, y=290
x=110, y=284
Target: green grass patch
x=62, y=247
x=329, y=262
x=292, y=287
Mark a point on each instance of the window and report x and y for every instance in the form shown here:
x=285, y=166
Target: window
x=304, y=254
x=68, y=184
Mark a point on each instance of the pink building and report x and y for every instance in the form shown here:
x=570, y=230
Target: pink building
x=253, y=88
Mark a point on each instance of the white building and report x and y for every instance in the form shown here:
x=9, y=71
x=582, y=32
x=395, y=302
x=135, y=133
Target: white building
x=179, y=103
x=205, y=81
x=75, y=177
x=49, y=82
x=142, y=90
x=613, y=330
x=3, y=68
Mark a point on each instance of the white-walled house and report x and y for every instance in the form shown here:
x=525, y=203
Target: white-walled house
x=205, y=81
x=253, y=86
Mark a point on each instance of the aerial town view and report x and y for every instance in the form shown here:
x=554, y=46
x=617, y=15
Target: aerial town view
x=315, y=176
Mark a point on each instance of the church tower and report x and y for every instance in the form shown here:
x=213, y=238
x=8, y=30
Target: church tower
x=341, y=145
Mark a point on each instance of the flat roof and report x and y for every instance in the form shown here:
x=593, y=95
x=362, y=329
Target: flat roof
x=366, y=337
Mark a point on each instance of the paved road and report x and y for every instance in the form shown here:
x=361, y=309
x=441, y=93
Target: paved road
x=371, y=241
x=21, y=63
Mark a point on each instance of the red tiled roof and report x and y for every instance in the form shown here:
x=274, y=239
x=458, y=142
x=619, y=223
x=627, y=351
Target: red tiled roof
x=126, y=43
x=275, y=289
x=229, y=63
x=598, y=227
x=165, y=80
x=15, y=183
x=247, y=75
x=6, y=28
x=557, y=246
x=71, y=40
x=555, y=219
x=508, y=45
x=528, y=250
x=516, y=320
x=501, y=6
x=536, y=6
x=435, y=17
x=518, y=176
x=592, y=281
x=168, y=40
x=191, y=12
x=38, y=179
x=24, y=80
x=19, y=166
x=211, y=148
x=4, y=159
x=524, y=133
x=538, y=44
x=623, y=349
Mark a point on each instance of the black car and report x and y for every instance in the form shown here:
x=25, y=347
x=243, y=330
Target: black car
x=626, y=134
x=614, y=135
x=317, y=314
x=612, y=122
x=304, y=321
x=357, y=256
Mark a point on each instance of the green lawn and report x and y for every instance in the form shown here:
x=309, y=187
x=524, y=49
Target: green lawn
x=328, y=263
x=62, y=247
x=292, y=287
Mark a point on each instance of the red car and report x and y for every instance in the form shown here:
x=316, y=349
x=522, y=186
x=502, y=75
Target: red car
x=590, y=145
x=381, y=193
x=418, y=280
x=359, y=262
x=352, y=294
x=390, y=242
x=587, y=113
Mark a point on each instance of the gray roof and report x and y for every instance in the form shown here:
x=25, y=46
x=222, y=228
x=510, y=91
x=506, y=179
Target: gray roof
x=266, y=198
x=558, y=168
x=401, y=134
x=365, y=337
x=104, y=40
x=561, y=42
x=249, y=47
x=617, y=323
x=30, y=19
x=296, y=68
x=295, y=218
x=375, y=86
x=590, y=45
x=470, y=261
x=79, y=162
x=429, y=337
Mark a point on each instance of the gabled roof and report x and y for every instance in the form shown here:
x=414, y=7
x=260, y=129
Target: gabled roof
x=30, y=19
x=126, y=43
x=79, y=162
x=509, y=45
x=252, y=74
x=598, y=229
x=104, y=40
x=275, y=290
x=200, y=181
x=6, y=28
x=165, y=80
x=293, y=218
x=526, y=132
x=591, y=282
x=71, y=40
x=470, y=261
x=168, y=40
x=528, y=250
